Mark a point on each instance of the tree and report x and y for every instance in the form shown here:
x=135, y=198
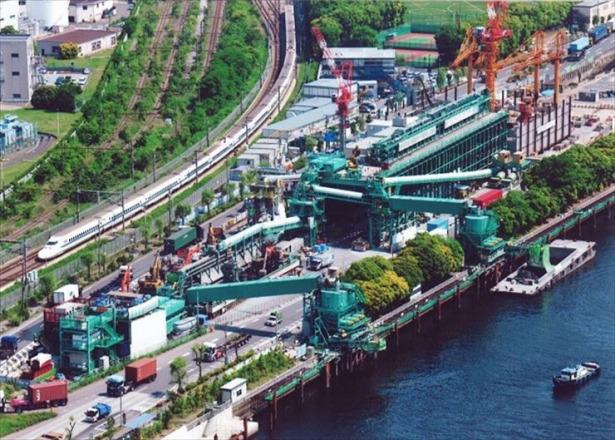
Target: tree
x=145, y=227
x=368, y=269
x=595, y=20
x=441, y=78
x=207, y=196
x=159, y=228
x=109, y=428
x=70, y=428
x=8, y=30
x=69, y=51
x=182, y=211
x=407, y=266
x=434, y=255
x=65, y=100
x=44, y=97
x=228, y=189
x=198, y=350
x=248, y=178
x=87, y=259
x=384, y=291
x=47, y=285
x=179, y=371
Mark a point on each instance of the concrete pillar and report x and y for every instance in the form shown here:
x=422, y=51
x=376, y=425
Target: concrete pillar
x=418, y=322
x=396, y=335
x=328, y=375
x=458, y=295
x=245, y=428
x=439, y=309
x=301, y=393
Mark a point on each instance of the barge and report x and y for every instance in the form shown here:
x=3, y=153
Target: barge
x=547, y=264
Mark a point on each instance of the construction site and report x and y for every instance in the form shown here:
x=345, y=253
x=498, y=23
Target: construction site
x=437, y=168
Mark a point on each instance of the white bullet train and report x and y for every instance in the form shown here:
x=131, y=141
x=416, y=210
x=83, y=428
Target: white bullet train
x=139, y=202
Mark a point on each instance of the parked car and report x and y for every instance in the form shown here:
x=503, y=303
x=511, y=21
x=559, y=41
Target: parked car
x=360, y=245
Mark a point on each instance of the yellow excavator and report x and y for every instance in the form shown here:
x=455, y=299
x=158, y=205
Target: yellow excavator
x=152, y=281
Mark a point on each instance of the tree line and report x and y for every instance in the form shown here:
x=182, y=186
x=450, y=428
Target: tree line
x=426, y=260
x=345, y=23
x=524, y=18
x=555, y=183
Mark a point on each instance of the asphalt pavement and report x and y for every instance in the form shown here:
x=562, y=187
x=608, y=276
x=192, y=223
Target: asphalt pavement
x=148, y=395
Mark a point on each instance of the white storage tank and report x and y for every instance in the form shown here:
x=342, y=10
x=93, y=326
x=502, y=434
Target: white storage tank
x=48, y=12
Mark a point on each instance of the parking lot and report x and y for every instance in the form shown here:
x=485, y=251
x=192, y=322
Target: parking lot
x=52, y=78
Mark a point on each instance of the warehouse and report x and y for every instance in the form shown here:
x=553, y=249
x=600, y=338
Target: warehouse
x=326, y=88
x=89, y=41
x=310, y=122
x=368, y=63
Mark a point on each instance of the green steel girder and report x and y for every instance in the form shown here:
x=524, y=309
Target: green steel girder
x=252, y=289
x=425, y=204
x=445, y=155
x=435, y=122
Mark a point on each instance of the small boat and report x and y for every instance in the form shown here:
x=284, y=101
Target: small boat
x=573, y=377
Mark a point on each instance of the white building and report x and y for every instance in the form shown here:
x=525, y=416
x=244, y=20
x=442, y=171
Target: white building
x=326, y=88
x=16, y=67
x=87, y=11
x=588, y=9
x=368, y=63
x=89, y=41
x=9, y=13
x=50, y=13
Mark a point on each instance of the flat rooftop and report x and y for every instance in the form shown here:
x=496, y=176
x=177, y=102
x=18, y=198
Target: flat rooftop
x=350, y=53
x=78, y=36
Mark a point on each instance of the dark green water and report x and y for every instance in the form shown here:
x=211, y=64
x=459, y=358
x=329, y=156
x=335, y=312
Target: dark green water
x=484, y=374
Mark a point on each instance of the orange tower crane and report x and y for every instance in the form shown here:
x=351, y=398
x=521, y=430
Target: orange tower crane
x=343, y=74
x=541, y=56
x=490, y=43
x=468, y=51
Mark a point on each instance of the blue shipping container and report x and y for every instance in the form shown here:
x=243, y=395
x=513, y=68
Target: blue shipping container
x=578, y=45
x=598, y=33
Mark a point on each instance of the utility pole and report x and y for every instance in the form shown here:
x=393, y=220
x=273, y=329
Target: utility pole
x=78, y=204
x=123, y=211
x=196, y=167
x=170, y=205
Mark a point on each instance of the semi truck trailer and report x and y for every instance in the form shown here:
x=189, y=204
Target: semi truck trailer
x=136, y=373
x=42, y=395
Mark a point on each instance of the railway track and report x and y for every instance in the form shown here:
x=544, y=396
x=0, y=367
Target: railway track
x=12, y=270
x=216, y=29
x=278, y=81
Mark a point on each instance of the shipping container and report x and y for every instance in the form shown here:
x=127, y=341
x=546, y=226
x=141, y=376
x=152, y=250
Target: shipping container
x=487, y=197
x=598, y=33
x=141, y=371
x=180, y=239
x=56, y=391
x=66, y=293
x=578, y=45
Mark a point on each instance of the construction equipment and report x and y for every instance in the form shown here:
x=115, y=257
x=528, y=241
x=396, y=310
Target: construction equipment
x=153, y=280
x=540, y=56
x=343, y=74
x=490, y=44
x=125, y=278
x=468, y=51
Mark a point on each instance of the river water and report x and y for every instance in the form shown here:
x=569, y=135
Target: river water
x=485, y=373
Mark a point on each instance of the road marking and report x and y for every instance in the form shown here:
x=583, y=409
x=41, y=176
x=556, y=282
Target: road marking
x=186, y=354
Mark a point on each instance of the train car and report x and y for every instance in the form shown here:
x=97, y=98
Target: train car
x=58, y=244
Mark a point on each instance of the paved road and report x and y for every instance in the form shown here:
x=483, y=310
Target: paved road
x=45, y=141
x=249, y=316
x=27, y=330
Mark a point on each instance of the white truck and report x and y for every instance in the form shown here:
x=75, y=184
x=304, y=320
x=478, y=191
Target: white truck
x=66, y=293
x=320, y=261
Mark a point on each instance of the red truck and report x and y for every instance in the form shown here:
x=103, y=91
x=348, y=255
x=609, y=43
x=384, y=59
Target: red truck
x=42, y=395
x=136, y=373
